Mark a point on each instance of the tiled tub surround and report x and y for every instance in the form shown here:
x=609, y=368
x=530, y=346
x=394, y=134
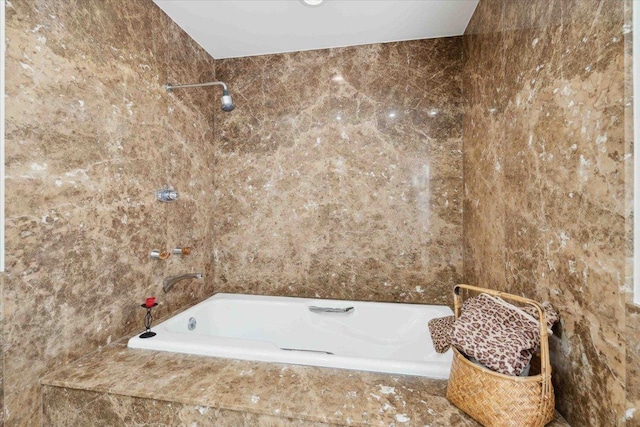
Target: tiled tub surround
x=90, y=135
x=90, y=132
x=548, y=187
x=339, y=175
x=125, y=387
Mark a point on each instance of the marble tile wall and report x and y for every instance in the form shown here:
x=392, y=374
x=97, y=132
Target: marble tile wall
x=91, y=134
x=632, y=319
x=339, y=175
x=130, y=386
x=547, y=201
x=69, y=407
x=632, y=381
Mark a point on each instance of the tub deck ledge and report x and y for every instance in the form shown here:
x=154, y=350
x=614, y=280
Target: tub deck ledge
x=125, y=386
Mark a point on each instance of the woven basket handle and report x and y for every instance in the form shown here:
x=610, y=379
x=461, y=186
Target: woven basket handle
x=545, y=364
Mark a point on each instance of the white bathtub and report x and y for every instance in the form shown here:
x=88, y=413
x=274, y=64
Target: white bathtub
x=368, y=336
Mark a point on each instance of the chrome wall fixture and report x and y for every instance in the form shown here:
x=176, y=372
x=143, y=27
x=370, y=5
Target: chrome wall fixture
x=156, y=254
x=169, y=282
x=185, y=250
x=167, y=195
x=227, y=102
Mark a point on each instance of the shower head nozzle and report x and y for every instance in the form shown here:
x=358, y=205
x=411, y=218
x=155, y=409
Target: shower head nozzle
x=227, y=102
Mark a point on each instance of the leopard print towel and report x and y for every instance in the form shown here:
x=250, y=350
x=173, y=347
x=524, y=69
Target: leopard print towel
x=549, y=313
x=440, y=329
x=497, y=334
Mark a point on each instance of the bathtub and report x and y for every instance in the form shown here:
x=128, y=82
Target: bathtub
x=368, y=336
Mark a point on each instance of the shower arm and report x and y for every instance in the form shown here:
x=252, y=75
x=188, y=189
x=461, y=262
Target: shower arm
x=227, y=102
x=171, y=87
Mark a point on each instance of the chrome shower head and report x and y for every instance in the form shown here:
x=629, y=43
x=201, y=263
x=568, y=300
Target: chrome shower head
x=227, y=102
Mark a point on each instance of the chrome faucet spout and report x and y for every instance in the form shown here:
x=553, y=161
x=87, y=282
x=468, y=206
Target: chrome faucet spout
x=169, y=282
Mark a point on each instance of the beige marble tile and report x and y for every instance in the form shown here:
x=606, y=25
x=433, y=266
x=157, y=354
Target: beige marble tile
x=557, y=181
x=125, y=383
x=633, y=365
x=281, y=197
x=69, y=407
x=339, y=173
x=483, y=130
x=91, y=134
x=632, y=315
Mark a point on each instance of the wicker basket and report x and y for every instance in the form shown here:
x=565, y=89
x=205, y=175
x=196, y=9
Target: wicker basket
x=498, y=400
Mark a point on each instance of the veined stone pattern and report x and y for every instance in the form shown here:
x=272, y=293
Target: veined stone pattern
x=91, y=134
x=125, y=387
x=547, y=167
x=339, y=174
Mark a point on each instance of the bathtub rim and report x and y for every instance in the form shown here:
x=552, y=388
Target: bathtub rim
x=263, y=351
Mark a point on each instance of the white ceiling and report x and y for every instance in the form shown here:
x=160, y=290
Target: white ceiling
x=236, y=28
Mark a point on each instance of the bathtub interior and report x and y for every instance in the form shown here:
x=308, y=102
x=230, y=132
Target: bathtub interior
x=372, y=330
x=382, y=337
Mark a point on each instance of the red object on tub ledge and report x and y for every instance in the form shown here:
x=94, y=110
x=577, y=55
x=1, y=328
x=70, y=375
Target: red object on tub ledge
x=150, y=302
